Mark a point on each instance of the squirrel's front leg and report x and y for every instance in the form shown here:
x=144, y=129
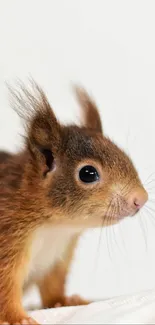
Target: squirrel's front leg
x=52, y=286
x=13, y=266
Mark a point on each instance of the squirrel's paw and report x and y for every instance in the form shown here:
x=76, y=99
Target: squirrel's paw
x=74, y=300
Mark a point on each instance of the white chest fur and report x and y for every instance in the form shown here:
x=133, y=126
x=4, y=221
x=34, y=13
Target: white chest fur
x=49, y=244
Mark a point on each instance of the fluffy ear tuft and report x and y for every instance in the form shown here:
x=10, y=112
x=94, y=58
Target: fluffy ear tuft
x=43, y=131
x=91, y=114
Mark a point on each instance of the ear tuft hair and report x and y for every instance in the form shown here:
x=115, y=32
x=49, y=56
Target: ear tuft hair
x=43, y=131
x=90, y=111
x=32, y=105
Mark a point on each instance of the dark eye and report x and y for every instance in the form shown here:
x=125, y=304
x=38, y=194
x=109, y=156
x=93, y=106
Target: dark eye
x=88, y=174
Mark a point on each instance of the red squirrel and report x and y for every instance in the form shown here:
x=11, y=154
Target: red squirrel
x=65, y=180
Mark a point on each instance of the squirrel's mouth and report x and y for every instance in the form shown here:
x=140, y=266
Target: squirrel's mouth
x=121, y=213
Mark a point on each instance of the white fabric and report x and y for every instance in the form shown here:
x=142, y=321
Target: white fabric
x=136, y=309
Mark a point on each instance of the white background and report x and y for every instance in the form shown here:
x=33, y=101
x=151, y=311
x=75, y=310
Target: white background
x=109, y=47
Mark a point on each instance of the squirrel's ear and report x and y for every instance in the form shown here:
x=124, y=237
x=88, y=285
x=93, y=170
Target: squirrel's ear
x=90, y=111
x=43, y=131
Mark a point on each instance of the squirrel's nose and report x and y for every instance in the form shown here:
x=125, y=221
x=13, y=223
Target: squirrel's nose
x=137, y=199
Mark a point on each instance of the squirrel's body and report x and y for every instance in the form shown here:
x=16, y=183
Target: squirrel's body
x=66, y=179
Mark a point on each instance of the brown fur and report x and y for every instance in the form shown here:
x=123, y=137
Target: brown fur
x=40, y=186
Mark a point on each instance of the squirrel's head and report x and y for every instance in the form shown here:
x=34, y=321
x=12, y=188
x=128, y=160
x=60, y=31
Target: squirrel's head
x=81, y=175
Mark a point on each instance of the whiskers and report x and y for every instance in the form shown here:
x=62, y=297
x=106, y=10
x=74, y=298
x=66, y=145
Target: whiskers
x=147, y=214
x=151, y=212
x=109, y=230
x=150, y=184
x=115, y=240
x=114, y=235
x=143, y=226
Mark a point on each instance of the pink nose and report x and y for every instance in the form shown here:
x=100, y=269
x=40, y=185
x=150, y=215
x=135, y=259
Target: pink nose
x=137, y=199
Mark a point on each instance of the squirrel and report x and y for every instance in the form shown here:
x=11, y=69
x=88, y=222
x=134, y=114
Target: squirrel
x=66, y=179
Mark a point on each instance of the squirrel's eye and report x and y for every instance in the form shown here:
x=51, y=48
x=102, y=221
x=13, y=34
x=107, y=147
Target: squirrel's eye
x=88, y=174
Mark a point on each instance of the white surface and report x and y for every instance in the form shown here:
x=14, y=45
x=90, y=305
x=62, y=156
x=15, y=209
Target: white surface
x=109, y=47
x=136, y=309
